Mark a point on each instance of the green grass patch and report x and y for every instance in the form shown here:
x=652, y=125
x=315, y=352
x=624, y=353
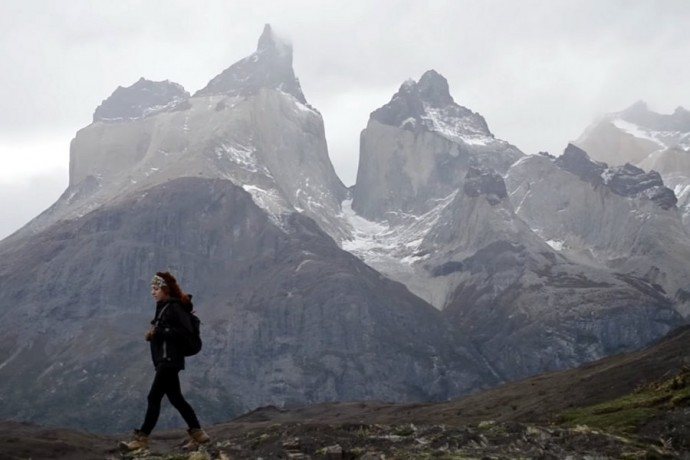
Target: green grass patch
x=626, y=414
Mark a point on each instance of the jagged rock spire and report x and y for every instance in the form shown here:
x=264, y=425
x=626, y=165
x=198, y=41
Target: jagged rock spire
x=270, y=43
x=433, y=88
x=269, y=67
x=424, y=101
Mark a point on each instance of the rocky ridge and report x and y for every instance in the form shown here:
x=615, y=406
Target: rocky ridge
x=619, y=218
x=646, y=139
x=627, y=180
x=144, y=98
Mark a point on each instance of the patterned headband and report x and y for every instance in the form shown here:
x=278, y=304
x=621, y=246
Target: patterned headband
x=158, y=282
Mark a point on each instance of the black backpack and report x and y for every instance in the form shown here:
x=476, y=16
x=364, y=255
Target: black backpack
x=192, y=344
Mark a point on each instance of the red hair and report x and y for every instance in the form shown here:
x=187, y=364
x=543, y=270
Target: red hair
x=173, y=288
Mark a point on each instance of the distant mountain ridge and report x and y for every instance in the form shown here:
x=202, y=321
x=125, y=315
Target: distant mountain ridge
x=649, y=140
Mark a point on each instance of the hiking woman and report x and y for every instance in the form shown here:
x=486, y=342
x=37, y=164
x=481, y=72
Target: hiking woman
x=169, y=328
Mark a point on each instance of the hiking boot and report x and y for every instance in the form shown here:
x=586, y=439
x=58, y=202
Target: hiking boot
x=197, y=437
x=139, y=441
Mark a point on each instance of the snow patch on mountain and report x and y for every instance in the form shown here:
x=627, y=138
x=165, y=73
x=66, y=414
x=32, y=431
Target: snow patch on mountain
x=607, y=175
x=380, y=242
x=556, y=244
x=270, y=201
x=311, y=197
x=662, y=138
x=442, y=121
x=243, y=156
x=681, y=190
x=147, y=111
x=685, y=143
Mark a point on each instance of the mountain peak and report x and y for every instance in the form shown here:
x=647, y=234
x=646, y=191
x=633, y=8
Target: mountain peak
x=637, y=108
x=640, y=114
x=576, y=161
x=433, y=88
x=141, y=99
x=270, y=66
x=269, y=42
x=428, y=105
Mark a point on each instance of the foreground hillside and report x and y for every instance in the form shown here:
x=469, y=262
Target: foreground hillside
x=633, y=405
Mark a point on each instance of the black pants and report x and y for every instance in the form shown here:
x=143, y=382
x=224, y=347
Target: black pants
x=167, y=382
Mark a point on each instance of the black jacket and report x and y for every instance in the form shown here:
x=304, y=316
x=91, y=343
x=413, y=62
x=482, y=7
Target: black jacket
x=172, y=326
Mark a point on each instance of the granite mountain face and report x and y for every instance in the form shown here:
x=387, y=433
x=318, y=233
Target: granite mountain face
x=435, y=276
x=250, y=125
x=646, y=139
x=416, y=149
x=620, y=218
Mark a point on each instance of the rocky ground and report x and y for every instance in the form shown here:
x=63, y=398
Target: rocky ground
x=487, y=440
x=366, y=441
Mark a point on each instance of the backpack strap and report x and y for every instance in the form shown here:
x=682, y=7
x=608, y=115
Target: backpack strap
x=160, y=315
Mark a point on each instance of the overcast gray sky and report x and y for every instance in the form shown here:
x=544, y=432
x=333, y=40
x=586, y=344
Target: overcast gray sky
x=538, y=71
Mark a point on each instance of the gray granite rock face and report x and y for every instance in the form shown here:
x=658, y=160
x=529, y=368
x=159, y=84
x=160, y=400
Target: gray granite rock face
x=619, y=218
x=417, y=148
x=265, y=140
x=648, y=140
x=576, y=161
x=627, y=180
x=488, y=183
x=631, y=181
x=287, y=317
x=529, y=308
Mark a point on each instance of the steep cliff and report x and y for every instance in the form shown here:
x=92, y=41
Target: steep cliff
x=258, y=132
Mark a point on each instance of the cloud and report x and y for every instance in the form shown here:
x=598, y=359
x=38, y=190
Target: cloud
x=33, y=175
x=23, y=200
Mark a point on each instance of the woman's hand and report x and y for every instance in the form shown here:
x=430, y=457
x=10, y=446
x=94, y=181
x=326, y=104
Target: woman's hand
x=150, y=333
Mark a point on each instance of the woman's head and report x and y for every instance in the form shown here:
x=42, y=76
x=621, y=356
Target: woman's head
x=164, y=285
